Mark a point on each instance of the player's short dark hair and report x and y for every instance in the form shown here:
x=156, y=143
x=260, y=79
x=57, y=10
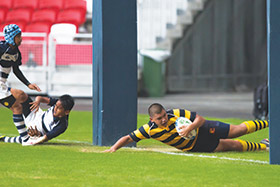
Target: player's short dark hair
x=155, y=108
x=67, y=102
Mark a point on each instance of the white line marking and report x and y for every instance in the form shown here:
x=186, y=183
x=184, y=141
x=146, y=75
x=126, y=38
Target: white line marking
x=173, y=153
x=216, y=157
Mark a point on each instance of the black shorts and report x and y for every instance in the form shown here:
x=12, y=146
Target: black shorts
x=8, y=101
x=209, y=136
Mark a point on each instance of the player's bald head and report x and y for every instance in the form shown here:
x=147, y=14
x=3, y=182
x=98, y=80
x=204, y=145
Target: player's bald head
x=155, y=108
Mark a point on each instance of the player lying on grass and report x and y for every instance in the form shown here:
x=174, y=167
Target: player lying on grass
x=10, y=59
x=44, y=125
x=212, y=136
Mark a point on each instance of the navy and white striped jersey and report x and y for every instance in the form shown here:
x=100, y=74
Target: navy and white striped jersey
x=8, y=58
x=53, y=126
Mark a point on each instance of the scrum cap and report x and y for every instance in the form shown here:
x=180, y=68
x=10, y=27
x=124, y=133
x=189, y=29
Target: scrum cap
x=10, y=31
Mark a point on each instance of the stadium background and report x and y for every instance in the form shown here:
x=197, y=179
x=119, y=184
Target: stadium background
x=57, y=44
x=189, y=45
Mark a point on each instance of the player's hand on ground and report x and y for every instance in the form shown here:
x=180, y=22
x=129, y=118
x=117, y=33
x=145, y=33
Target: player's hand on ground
x=109, y=150
x=35, y=106
x=33, y=132
x=34, y=87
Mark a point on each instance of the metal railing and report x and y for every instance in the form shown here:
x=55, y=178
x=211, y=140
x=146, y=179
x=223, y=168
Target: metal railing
x=56, y=66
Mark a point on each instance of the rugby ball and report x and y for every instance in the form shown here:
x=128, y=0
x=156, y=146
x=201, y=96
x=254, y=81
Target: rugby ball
x=181, y=121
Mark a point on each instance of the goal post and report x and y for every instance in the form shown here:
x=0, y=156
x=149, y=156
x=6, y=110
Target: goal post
x=273, y=59
x=114, y=70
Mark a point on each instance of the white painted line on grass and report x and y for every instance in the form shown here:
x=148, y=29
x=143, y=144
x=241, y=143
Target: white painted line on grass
x=216, y=157
x=181, y=154
x=173, y=153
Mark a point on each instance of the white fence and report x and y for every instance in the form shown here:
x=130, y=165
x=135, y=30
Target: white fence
x=56, y=66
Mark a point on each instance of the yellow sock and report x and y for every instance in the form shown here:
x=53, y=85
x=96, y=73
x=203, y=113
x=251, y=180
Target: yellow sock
x=255, y=125
x=252, y=146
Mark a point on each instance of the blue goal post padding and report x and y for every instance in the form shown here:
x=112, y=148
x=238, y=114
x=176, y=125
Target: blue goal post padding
x=114, y=70
x=273, y=58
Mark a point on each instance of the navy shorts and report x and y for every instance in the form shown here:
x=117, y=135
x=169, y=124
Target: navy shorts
x=8, y=101
x=209, y=136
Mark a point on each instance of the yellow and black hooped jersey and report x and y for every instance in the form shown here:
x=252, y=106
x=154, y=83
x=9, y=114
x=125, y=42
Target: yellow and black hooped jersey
x=168, y=134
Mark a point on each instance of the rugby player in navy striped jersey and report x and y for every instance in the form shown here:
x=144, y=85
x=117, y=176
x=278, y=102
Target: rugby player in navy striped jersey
x=44, y=125
x=10, y=59
x=212, y=136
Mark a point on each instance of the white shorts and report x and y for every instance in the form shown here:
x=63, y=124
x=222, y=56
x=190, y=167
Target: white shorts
x=4, y=90
x=35, y=120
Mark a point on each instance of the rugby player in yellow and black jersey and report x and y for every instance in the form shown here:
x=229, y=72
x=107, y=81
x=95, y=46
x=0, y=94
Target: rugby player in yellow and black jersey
x=212, y=136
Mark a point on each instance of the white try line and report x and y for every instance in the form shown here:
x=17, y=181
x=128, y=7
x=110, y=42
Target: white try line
x=215, y=157
x=173, y=153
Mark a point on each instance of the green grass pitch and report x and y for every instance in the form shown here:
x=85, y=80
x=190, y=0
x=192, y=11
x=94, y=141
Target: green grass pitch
x=71, y=160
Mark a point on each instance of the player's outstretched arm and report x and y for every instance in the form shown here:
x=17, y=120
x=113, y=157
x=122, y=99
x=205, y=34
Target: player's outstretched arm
x=23, y=79
x=120, y=143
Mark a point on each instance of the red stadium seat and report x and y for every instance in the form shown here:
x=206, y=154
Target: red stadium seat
x=56, y=5
x=5, y=5
x=70, y=16
x=2, y=16
x=38, y=27
x=80, y=5
x=46, y=15
x=19, y=16
x=30, y=5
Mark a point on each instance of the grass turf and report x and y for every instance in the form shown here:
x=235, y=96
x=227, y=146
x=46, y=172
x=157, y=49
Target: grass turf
x=71, y=160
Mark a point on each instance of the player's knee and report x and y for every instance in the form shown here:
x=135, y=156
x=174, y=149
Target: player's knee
x=242, y=128
x=21, y=96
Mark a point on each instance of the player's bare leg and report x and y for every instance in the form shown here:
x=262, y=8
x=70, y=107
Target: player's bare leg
x=246, y=127
x=239, y=145
x=237, y=130
x=229, y=145
x=19, y=95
